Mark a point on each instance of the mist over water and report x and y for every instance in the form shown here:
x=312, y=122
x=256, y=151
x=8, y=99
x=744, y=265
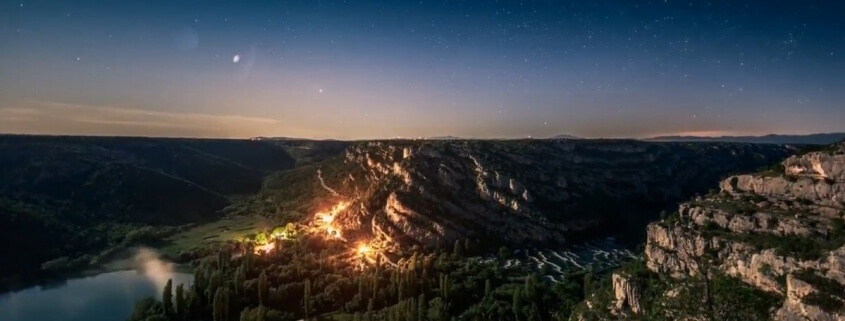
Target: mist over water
x=106, y=296
x=148, y=263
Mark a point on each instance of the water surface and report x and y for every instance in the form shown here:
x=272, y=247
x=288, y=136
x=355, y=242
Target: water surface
x=103, y=297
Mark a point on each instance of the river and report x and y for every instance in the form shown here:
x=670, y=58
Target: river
x=104, y=297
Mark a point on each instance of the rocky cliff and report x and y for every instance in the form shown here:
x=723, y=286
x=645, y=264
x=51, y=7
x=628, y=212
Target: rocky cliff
x=779, y=231
x=432, y=193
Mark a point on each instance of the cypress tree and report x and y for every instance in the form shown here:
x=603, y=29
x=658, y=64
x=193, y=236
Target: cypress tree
x=238, y=280
x=467, y=247
x=444, y=287
x=306, y=304
x=245, y=315
x=487, y=288
x=263, y=289
x=458, y=250
x=213, y=284
x=422, y=307
x=588, y=283
x=401, y=290
x=194, y=304
x=217, y=308
x=369, y=315
x=261, y=314
x=167, y=298
x=180, y=302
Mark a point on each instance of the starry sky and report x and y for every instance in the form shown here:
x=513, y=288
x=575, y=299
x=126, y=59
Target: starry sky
x=380, y=69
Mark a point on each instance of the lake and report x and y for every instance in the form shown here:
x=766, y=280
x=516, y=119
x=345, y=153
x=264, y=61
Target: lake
x=103, y=297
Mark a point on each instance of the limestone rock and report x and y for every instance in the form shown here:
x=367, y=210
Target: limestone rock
x=627, y=294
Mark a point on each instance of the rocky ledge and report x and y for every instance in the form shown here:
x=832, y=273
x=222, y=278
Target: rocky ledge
x=780, y=231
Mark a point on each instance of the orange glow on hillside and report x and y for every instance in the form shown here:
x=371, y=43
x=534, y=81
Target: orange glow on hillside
x=364, y=249
x=266, y=248
x=325, y=220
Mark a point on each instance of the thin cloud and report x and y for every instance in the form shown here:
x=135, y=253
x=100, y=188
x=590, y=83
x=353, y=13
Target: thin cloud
x=61, y=118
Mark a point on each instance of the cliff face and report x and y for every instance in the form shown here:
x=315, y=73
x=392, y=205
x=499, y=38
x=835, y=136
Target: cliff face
x=780, y=231
x=522, y=192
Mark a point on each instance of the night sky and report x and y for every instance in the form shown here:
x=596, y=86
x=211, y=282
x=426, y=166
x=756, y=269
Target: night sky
x=378, y=69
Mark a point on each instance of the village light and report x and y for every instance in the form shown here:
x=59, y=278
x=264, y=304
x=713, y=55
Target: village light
x=266, y=248
x=363, y=249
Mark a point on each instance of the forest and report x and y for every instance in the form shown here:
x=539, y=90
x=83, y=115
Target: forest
x=313, y=278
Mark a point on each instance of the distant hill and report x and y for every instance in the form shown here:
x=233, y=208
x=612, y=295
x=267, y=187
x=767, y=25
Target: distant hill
x=811, y=139
x=565, y=137
x=66, y=196
x=448, y=137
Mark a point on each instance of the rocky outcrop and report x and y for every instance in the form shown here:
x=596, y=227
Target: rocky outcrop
x=626, y=294
x=794, y=307
x=524, y=192
x=781, y=232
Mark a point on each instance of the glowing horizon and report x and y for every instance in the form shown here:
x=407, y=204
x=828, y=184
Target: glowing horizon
x=376, y=70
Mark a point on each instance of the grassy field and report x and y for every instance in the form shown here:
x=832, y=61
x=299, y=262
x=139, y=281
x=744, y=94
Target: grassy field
x=228, y=228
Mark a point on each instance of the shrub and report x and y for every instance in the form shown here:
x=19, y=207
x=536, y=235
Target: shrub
x=804, y=201
x=825, y=302
x=821, y=283
x=765, y=269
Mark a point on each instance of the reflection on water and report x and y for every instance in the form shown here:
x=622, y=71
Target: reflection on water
x=108, y=296
x=104, y=297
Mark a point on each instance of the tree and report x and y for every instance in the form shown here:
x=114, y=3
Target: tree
x=219, y=305
x=698, y=257
x=504, y=253
x=458, y=250
x=144, y=308
x=588, y=283
x=167, y=298
x=238, y=280
x=369, y=315
x=263, y=289
x=534, y=313
x=516, y=306
x=437, y=310
x=444, y=286
x=180, y=302
x=261, y=238
x=213, y=284
x=279, y=232
x=530, y=287
x=306, y=298
x=467, y=247
x=487, y=288
x=422, y=307
x=195, y=304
